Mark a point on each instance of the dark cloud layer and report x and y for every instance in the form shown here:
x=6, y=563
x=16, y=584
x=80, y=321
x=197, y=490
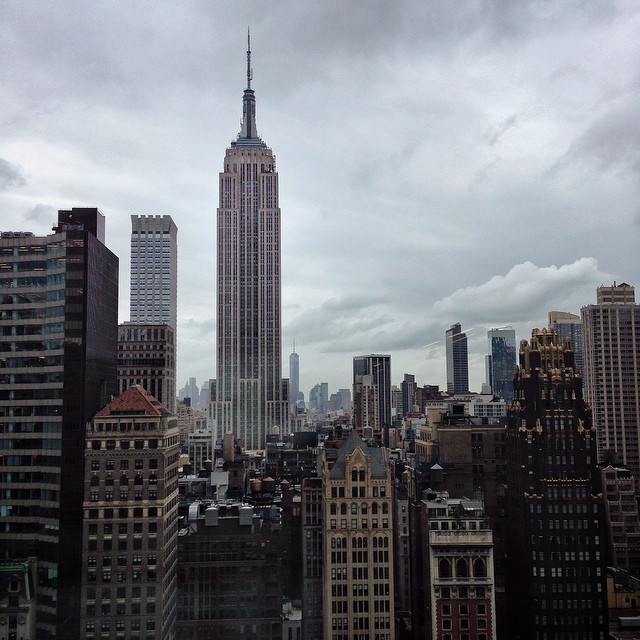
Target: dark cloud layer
x=471, y=162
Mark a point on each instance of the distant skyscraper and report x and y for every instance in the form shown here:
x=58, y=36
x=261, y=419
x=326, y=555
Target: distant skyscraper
x=569, y=325
x=58, y=350
x=294, y=380
x=154, y=270
x=555, y=513
x=501, y=361
x=611, y=332
x=377, y=366
x=250, y=395
x=457, y=360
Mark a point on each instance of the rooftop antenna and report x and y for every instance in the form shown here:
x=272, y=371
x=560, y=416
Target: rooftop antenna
x=294, y=345
x=249, y=71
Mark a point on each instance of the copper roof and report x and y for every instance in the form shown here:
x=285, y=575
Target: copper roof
x=134, y=401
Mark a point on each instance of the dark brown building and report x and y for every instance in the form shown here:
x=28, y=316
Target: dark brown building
x=557, y=572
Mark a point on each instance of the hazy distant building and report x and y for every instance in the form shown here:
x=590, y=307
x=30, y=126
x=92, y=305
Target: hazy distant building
x=366, y=405
x=319, y=398
x=408, y=388
x=378, y=367
x=294, y=380
x=154, y=270
x=569, y=325
x=147, y=356
x=555, y=510
x=250, y=395
x=457, y=360
x=358, y=544
x=130, y=523
x=58, y=344
x=611, y=333
x=501, y=361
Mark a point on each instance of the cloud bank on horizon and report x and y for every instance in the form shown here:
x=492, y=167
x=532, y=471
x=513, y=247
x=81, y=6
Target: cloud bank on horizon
x=475, y=164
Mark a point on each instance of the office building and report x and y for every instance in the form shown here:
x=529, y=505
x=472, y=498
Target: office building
x=130, y=521
x=358, y=599
x=378, y=367
x=408, y=388
x=569, y=325
x=622, y=518
x=294, y=380
x=319, y=398
x=229, y=574
x=147, y=357
x=611, y=334
x=501, y=361
x=556, y=570
x=251, y=397
x=154, y=270
x=460, y=575
x=457, y=360
x=58, y=354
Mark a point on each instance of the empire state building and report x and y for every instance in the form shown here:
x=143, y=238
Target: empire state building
x=250, y=397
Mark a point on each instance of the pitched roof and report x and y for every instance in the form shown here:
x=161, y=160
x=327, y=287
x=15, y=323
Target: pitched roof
x=353, y=442
x=134, y=401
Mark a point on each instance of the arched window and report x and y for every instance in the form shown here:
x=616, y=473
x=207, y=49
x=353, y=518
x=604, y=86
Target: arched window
x=354, y=507
x=124, y=480
x=95, y=481
x=333, y=509
x=343, y=509
x=153, y=479
x=479, y=568
x=361, y=475
x=462, y=568
x=108, y=481
x=374, y=508
x=363, y=507
x=138, y=479
x=385, y=507
x=444, y=568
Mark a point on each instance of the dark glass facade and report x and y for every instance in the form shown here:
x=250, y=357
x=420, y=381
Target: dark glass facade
x=58, y=350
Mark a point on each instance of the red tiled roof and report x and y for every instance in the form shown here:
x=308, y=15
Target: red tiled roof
x=134, y=400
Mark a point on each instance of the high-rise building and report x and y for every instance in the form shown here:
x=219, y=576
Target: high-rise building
x=358, y=600
x=556, y=570
x=501, y=361
x=58, y=354
x=611, y=333
x=147, y=343
x=154, y=270
x=408, y=387
x=294, y=380
x=250, y=398
x=569, y=325
x=457, y=360
x=147, y=356
x=130, y=524
x=379, y=368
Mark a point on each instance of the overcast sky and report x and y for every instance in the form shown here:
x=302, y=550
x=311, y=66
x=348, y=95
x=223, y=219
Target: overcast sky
x=440, y=162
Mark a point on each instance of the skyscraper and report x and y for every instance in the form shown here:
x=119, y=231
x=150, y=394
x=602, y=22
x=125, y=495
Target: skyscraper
x=457, y=360
x=154, y=270
x=569, y=325
x=501, y=361
x=611, y=333
x=250, y=395
x=58, y=349
x=378, y=367
x=294, y=380
x=555, y=513
x=147, y=343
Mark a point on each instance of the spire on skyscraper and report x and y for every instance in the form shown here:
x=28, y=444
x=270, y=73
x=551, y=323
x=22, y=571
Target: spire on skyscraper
x=249, y=133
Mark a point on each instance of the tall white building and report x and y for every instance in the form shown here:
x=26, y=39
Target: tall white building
x=154, y=270
x=611, y=333
x=250, y=397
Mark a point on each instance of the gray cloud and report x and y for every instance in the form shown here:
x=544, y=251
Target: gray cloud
x=11, y=175
x=42, y=214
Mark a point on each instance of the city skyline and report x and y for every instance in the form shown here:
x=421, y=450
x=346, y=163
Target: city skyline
x=517, y=125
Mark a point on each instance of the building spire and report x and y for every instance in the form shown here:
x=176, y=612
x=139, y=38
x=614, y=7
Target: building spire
x=248, y=132
x=249, y=71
